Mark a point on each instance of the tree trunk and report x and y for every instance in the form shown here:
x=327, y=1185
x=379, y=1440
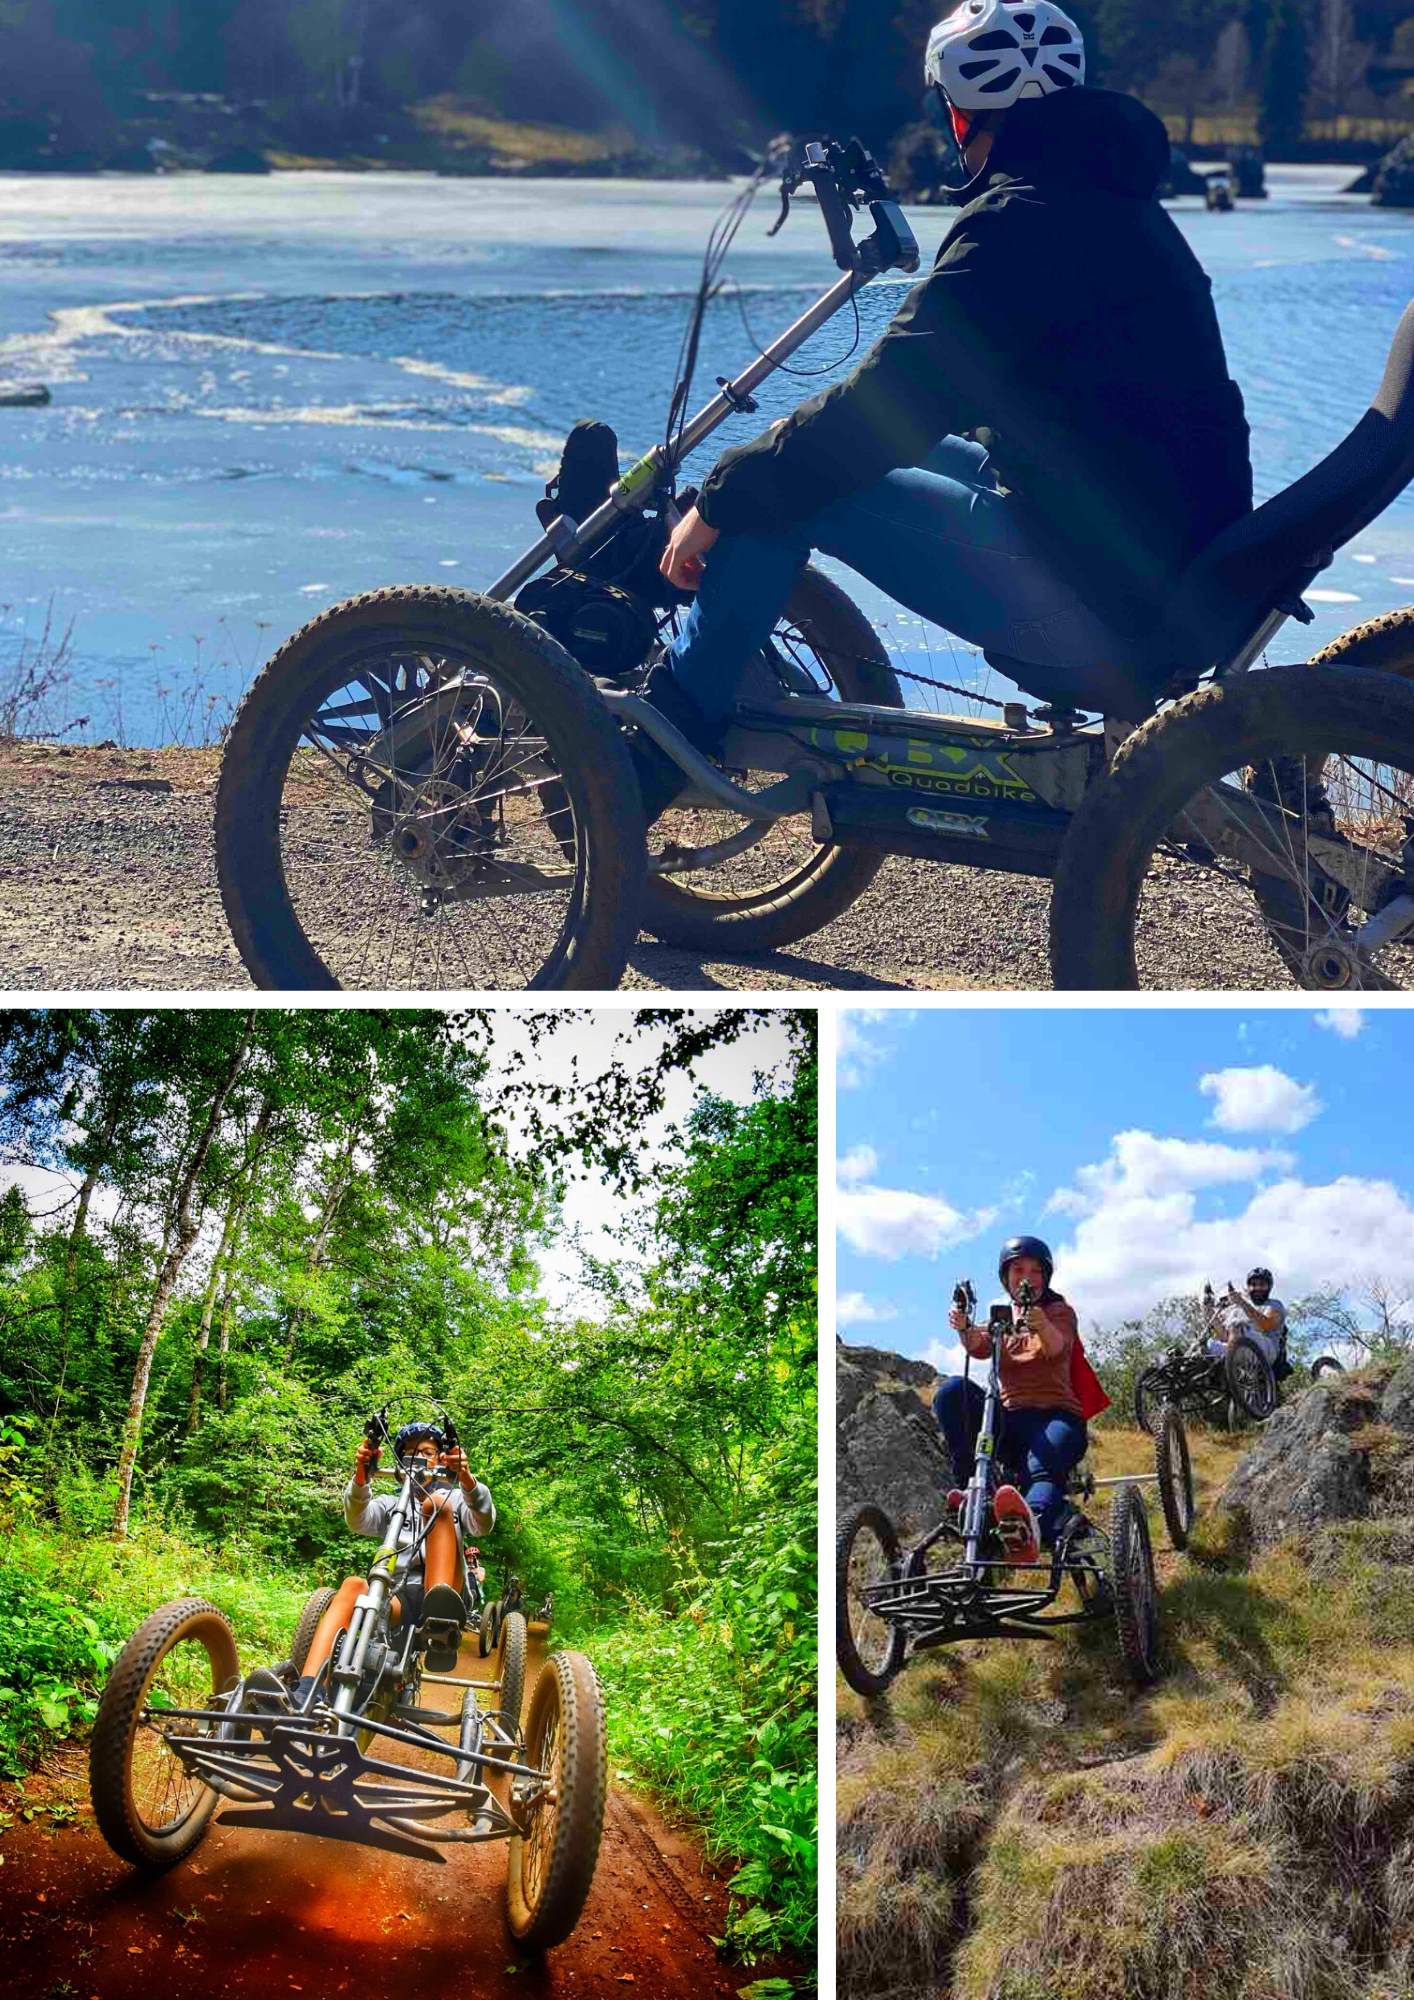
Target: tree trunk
x=226, y=1316
x=338, y=1188
x=71, y=1258
x=185, y=1225
x=235, y=1215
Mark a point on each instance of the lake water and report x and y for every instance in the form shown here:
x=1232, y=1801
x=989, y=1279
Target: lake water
x=271, y=393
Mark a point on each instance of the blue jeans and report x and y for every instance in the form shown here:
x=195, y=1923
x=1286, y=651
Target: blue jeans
x=1039, y=1448
x=940, y=538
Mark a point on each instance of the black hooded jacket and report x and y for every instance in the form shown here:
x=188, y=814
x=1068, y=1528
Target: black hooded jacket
x=1069, y=327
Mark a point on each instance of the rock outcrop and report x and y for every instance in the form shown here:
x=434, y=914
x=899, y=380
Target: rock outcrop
x=1340, y=1452
x=1393, y=185
x=888, y=1445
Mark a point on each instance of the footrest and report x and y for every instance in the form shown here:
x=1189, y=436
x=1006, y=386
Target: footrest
x=441, y=1625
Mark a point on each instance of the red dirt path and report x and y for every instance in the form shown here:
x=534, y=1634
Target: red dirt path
x=270, y=1914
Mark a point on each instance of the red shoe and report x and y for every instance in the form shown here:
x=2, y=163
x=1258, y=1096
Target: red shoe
x=1017, y=1527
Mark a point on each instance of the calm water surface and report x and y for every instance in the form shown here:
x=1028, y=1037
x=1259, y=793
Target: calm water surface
x=271, y=393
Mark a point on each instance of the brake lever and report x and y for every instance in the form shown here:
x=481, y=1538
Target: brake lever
x=780, y=222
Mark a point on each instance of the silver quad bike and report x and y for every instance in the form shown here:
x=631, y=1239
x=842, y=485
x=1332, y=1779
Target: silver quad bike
x=895, y=1601
x=182, y=1735
x=432, y=788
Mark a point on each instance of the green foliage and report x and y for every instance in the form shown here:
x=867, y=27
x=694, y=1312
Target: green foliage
x=715, y=1709
x=1286, y=75
x=68, y=1604
x=369, y=1235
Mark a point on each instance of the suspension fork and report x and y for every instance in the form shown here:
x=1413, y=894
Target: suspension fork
x=979, y=1488
x=354, y=1656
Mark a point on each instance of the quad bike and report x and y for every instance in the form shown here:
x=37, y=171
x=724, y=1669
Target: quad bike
x=432, y=788
x=180, y=1733
x=1226, y=1391
x=495, y=1613
x=893, y=1602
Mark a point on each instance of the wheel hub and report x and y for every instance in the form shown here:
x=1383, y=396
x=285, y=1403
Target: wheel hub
x=1331, y=966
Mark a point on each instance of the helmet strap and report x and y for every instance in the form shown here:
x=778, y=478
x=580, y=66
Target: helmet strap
x=965, y=127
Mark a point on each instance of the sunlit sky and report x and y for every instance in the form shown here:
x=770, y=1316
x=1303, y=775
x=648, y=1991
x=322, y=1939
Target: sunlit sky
x=1153, y=1149
x=593, y=1209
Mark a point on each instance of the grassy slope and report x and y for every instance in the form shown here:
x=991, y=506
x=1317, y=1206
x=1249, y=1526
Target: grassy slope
x=1017, y=1824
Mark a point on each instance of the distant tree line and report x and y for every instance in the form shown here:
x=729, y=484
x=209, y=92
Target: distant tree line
x=712, y=73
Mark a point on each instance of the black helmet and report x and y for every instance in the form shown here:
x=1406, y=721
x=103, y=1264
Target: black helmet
x=1025, y=1246
x=412, y=1434
x=1260, y=1275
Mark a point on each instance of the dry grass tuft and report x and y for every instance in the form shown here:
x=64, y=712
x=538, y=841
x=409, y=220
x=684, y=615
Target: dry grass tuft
x=1017, y=1824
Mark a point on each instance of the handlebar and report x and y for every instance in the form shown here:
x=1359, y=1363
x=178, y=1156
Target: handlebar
x=847, y=177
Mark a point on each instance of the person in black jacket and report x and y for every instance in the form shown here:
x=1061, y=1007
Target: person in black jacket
x=1041, y=441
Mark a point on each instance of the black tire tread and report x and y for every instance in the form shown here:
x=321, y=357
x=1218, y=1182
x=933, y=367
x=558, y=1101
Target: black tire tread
x=1174, y=1465
x=247, y=852
x=315, y=1605
x=579, y=1828
x=840, y=875
x=1251, y=1416
x=1385, y=643
x=1129, y=1523
x=862, y=1679
x=1121, y=818
x=514, y=1645
x=110, y=1748
x=1147, y=1407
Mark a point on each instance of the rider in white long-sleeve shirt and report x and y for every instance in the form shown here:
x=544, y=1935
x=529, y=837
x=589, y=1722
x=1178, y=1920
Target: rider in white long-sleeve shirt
x=429, y=1578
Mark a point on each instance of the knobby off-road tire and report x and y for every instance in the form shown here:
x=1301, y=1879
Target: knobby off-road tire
x=1291, y=712
x=1384, y=644
x=1134, y=1587
x=1150, y=1400
x=486, y=1632
x=867, y=1548
x=151, y=1832
x=550, y=1869
x=530, y=668
x=1174, y=1467
x=1326, y=1364
x=699, y=913
x=1251, y=1384
x=315, y=1605
x=513, y=1653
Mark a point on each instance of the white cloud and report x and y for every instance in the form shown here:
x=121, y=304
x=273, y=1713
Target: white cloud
x=1261, y=1099
x=947, y=1359
x=860, y=1163
x=1143, y=1167
x=896, y=1222
x=1132, y=1248
x=857, y=1051
x=854, y=1309
x=1347, y=1022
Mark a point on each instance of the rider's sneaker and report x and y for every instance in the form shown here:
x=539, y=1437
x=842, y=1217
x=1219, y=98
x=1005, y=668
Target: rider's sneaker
x=1017, y=1528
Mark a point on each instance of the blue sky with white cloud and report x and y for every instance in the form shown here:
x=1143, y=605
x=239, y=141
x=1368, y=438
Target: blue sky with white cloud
x=1151, y=1148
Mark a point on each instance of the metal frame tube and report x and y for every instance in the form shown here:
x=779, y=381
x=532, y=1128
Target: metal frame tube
x=639, y=483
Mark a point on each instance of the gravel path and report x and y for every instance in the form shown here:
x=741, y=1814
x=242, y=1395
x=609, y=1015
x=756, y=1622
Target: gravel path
x=107, y=881
x=253, y=1914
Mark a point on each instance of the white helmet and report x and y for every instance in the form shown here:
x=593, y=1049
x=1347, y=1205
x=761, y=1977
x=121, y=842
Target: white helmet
x=990, y=54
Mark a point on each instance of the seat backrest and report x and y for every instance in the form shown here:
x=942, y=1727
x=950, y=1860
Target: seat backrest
x=1276, y=550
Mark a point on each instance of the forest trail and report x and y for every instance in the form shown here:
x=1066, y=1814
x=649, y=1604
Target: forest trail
x=269, y=1914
